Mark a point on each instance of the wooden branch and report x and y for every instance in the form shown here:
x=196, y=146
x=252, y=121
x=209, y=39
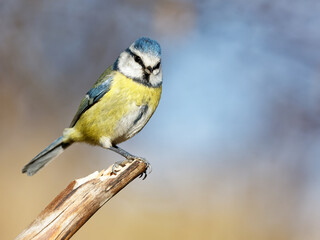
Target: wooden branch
x=67, y=213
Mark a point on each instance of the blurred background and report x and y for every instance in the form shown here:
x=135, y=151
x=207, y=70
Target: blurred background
x=234, y=144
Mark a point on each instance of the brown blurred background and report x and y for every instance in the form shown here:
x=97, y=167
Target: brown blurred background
x=234, y=144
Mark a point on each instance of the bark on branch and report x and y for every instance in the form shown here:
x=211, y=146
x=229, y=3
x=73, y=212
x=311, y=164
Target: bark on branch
x=67, y=213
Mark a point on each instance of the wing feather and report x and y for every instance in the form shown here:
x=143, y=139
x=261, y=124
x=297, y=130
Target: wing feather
x=100, y=88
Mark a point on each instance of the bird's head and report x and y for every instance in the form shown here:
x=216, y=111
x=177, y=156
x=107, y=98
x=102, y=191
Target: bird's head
x=142, y=62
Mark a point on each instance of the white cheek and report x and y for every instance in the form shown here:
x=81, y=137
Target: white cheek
x=156, y=80
x=156, y=71
x=132, y=69
x=129, y=67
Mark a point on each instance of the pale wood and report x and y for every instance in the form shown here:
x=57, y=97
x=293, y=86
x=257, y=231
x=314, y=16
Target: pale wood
x=67, y=213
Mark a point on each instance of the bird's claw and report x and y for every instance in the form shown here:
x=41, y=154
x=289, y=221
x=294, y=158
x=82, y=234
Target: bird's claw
x=148, y=170
x=119, y=164
x=130, y=159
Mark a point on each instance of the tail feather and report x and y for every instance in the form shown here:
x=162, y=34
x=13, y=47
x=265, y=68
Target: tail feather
x=39, y=161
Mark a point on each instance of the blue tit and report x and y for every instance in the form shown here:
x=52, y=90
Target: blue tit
x=117, y=107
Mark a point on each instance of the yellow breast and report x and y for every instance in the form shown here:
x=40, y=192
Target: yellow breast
x=110, y=116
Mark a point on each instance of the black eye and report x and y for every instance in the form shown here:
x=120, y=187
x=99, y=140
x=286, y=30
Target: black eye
x=138, y=59
x=156, y=66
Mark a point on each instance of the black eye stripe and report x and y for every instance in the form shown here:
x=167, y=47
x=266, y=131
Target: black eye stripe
x=136, y=57
x=138, y=60
x=157, y=66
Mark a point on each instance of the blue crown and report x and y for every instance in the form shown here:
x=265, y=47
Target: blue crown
x=148, y=45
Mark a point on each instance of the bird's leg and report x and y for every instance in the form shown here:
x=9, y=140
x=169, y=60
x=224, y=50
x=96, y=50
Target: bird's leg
x=129, y=158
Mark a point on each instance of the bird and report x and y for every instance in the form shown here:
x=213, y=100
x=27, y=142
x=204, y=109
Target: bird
x=116, y=108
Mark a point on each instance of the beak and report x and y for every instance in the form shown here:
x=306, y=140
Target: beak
x=148, y=70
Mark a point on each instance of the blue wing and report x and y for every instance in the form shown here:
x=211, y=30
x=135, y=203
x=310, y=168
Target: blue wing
x=92, y=97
